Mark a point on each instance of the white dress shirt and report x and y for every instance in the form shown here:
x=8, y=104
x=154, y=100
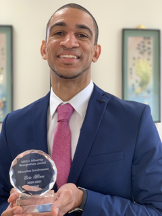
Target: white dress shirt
x=79, y=103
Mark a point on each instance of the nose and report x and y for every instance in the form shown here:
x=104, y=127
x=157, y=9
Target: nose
x=69, y=41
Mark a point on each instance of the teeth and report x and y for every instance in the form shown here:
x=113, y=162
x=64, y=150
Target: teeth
x=68, y=56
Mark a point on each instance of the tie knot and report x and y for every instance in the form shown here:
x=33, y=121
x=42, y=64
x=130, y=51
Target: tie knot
x=64, y=112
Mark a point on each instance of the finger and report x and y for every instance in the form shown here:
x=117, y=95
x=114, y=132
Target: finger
x=13, y=197
x=60, y=207
x=55, y=211
x=12, y=211
x=35, y=214
x=38, y=214
x=12, y=190
x=25, y=214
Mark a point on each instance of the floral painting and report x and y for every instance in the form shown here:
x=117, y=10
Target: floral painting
x=5, y=71
x=2, y=75
x=141, y=68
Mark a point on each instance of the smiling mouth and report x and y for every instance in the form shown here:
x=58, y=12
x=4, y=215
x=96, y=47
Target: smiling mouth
x=69, y=56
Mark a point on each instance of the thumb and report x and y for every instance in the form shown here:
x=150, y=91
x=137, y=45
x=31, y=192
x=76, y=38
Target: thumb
x=12, y=211
x=55, y=211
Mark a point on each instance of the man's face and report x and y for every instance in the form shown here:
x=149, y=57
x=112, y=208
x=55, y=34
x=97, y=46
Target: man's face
x=70, y=48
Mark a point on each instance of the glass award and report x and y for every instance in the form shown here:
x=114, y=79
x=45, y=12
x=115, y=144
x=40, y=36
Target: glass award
x=33, y=174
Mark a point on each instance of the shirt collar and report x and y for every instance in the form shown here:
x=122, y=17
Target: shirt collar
x=79, y=101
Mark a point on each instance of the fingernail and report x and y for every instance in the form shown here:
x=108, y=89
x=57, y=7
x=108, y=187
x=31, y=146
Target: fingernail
x=57, y=210
x=17, y=211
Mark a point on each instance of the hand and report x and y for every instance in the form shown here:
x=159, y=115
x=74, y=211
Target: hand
x=12, y=208
x=13, y=197
x=10, y=211
x=67, y=198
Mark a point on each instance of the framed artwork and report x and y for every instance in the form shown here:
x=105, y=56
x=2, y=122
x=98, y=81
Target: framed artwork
x=141, y=68
x=5, y=71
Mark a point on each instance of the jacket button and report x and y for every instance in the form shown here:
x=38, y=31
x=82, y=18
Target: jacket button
x=102, y=100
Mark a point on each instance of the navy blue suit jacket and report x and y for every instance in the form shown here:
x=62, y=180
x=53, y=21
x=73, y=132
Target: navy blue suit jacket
x=118, y=158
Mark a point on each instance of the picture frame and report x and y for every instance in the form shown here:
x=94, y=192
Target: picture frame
x=141, y=68
x=6, y=71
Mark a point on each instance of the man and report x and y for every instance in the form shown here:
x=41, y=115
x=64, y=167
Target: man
x=116, y=149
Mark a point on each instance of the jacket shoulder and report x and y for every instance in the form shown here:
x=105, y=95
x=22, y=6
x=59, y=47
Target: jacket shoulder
x=122, y=107
x=26, y=111
x=113, y=100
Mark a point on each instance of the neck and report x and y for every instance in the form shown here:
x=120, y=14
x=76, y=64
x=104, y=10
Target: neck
x=66, y=89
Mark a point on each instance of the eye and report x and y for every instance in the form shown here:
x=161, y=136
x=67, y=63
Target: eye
x=58, y=33
x=82, y=35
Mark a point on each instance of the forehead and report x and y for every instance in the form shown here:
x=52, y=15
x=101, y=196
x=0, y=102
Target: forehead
x=72, y=17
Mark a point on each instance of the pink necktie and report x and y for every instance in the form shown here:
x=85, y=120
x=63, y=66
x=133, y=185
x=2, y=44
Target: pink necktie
x=61, y=152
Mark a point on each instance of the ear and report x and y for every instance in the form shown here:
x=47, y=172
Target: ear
x=97, y=52
x=43, y=50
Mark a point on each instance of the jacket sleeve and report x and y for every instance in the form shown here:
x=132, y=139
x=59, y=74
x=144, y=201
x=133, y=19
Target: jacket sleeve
x=146, y=179
x=5, y=163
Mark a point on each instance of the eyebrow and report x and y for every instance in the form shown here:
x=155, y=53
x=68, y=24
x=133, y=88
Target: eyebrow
x=57, y=24
x=85, y=27
x=79, y=26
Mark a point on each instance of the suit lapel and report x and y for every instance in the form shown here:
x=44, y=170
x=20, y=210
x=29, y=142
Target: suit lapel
x=91, y=124
x=40, y=123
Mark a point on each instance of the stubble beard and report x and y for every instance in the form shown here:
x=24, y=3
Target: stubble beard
x=68, y=77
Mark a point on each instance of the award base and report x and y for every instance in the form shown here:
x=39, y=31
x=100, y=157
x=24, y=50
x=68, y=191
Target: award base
x=36, y=203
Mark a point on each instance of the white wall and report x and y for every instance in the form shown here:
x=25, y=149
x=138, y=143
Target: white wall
x=29, y=18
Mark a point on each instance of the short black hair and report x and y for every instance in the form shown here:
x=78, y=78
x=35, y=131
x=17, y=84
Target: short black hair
x=73, y=5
